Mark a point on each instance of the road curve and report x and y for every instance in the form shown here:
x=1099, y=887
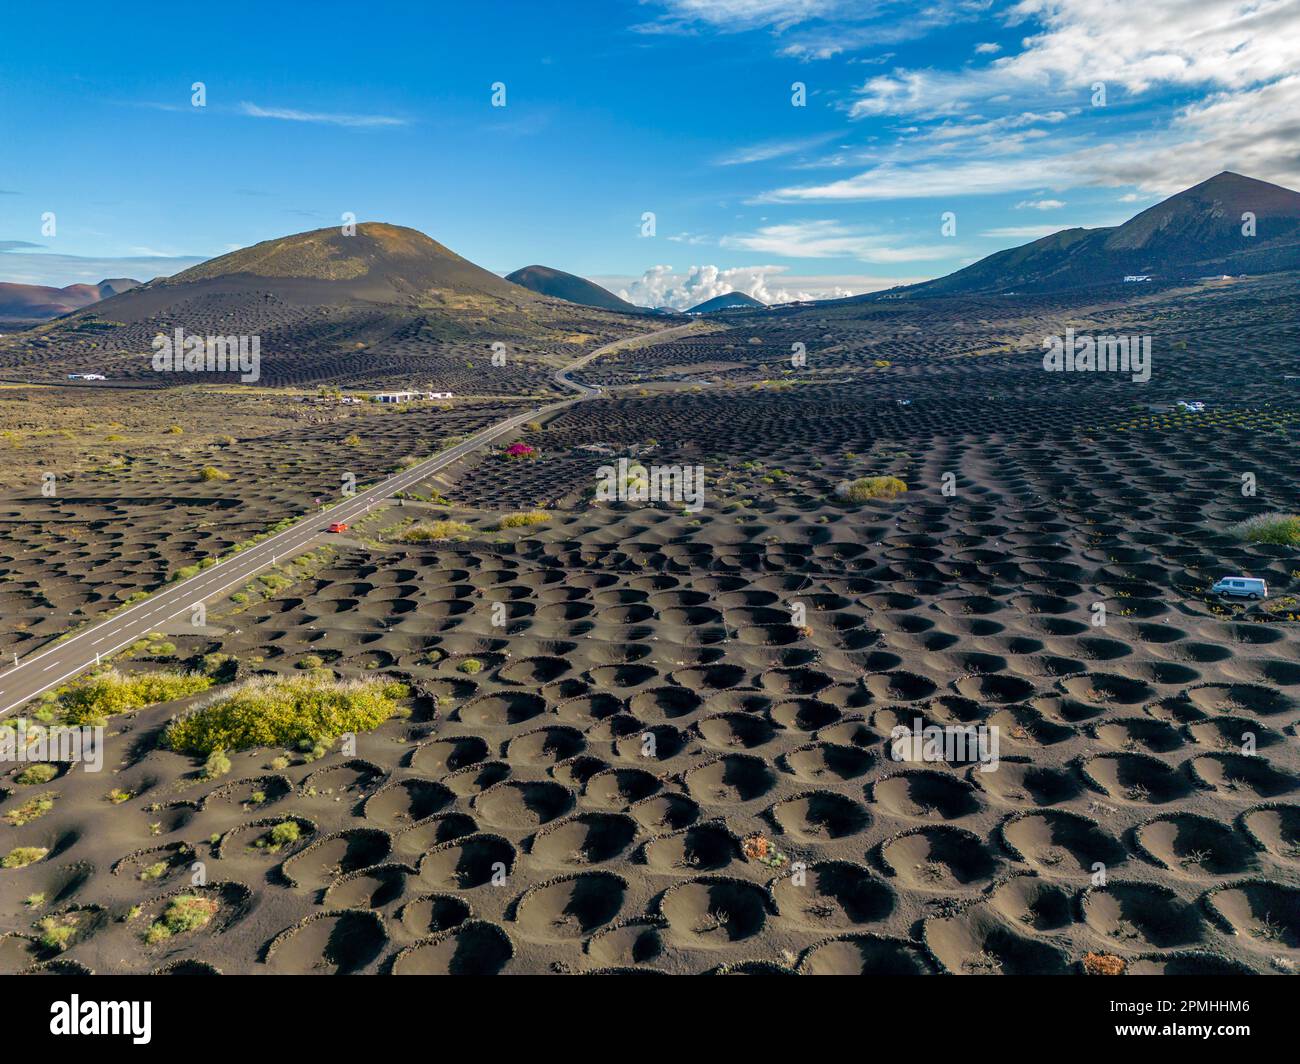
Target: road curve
x=61, y=660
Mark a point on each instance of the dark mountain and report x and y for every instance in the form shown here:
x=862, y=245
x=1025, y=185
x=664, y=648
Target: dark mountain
x=379, y=263
x=560, y=285
x=730, y=301
x=323, y=274
x=1195, y=233
x=31, y=302
x=385, y=303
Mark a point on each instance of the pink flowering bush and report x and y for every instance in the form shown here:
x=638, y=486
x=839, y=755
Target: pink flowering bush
x=521, y=450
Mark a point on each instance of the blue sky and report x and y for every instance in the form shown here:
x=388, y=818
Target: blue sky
x=615, y=108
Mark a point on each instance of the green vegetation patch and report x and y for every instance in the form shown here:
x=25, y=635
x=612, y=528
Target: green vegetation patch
x=435, y=531
x=32, y=809
x=865, y=488
x=524, y=518
x=22, y=856
x=105, y=693
x=1281, y=529
x=283, y=834
x=185, y=912
x=58, y=932
x=34, y=775
x=284, y=711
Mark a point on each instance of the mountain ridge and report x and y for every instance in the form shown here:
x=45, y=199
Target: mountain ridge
x=34, y=302
x=548, y=281
x=726, y=301
x=1197, y=232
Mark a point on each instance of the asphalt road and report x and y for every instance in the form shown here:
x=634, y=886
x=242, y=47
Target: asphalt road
x=60, y=661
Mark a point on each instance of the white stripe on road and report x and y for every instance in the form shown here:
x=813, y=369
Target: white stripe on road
x=252, y=558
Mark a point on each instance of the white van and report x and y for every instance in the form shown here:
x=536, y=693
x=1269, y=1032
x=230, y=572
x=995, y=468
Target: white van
x=1246, y=586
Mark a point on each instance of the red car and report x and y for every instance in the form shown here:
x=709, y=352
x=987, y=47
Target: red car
x=337, y=526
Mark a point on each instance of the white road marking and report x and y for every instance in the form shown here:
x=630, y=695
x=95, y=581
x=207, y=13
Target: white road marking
x=300, y=533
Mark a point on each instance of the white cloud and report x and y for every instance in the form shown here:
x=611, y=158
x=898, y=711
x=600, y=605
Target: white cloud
x=661, y=286
x=810, y=29
x=22, y=266
x=926, y=180
x=773, y=149
x=737, y=15
x=826, y=239
x=958, y=141
x=1215, y=43
x=987, y=48
x=1251, y=131
x=1040, y=204
x=1024, y=232
x=290, y=115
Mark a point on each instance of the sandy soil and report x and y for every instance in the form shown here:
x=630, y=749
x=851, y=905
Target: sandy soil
x=649, y=702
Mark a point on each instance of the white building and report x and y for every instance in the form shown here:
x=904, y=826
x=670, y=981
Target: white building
x=408, y=397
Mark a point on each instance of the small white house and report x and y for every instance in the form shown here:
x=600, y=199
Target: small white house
x=437, y=395
x=396, y=397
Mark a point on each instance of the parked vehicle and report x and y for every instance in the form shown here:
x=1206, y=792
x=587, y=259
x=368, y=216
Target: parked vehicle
x=1245, y=586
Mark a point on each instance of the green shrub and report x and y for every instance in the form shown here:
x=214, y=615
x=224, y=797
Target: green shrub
x=32, y=809
x=284, y=711
x=434, y=531
x=36, y=774
x=218, y=665
x=57, y=931
x=105, y=693
x=217, y=764
x=523, y=519
x=470, y=666
x=21, y=856
x=185, y=912
x=284, y=834
x=212, y=473
x=1280, y=529
x=865, y=488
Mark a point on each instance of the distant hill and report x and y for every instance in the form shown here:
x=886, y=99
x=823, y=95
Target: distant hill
x=560, y=285
x=384, y=303
x=305, y=274
x=31, y=302
x=379, y=263
x=730, y=301
x=1195, y=233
